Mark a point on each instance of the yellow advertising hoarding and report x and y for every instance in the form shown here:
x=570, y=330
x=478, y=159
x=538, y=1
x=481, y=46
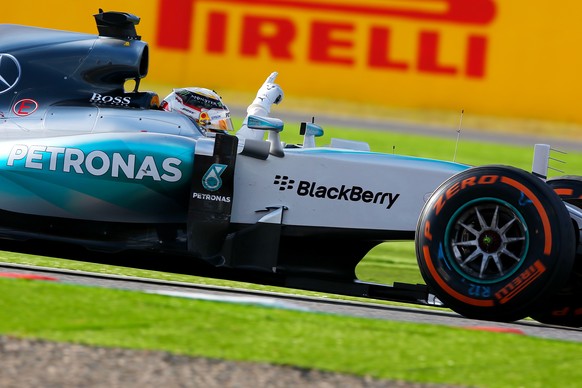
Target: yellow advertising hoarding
x=492, y=57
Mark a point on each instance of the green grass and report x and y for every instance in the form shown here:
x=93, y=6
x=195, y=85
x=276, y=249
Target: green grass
x=468, y=152
x=412, y=352
x=378, y=348
x=390, y=262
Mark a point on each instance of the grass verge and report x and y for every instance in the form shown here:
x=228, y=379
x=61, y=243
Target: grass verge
x=377, y=348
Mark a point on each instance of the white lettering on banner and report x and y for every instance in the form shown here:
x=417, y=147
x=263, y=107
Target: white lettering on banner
x=96, y=163
x=110, y=100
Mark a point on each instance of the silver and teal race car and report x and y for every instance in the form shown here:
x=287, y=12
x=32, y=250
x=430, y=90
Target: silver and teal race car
x=83, y=160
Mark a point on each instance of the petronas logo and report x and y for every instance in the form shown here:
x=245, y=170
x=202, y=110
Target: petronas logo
x=211, y=180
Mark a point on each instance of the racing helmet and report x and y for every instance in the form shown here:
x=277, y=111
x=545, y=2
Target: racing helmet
x=202, y=105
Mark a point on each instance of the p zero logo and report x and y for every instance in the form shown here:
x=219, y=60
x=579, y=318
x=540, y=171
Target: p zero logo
x=334, y=32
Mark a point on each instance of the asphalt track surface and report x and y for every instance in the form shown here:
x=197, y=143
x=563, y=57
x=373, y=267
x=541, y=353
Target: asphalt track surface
x=293, y=302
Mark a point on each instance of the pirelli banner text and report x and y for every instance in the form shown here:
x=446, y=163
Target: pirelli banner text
x=493, y=57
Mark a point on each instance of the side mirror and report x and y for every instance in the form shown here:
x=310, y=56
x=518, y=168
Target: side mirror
x=265, y=123
x=274, y=127
x=310, y=131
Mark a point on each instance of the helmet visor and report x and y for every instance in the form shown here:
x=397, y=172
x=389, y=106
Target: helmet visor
x=198, y=101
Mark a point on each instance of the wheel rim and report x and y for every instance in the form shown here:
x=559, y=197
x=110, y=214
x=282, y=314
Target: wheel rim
x=487, y=240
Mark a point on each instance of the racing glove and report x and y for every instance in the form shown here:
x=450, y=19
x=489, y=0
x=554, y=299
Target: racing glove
x=270, y=93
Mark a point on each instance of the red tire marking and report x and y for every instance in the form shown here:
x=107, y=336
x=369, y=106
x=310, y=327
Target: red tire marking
x=566, y=192
x=518, y=284
x=447, y=288
x=541, y=211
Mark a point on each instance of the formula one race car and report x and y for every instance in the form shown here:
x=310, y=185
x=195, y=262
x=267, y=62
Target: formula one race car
x=83, y=160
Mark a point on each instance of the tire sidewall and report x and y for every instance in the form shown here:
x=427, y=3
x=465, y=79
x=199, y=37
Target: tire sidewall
x=569, y=188
x=544, y=263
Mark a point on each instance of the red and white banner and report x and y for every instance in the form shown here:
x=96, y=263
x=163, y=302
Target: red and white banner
x=490, y=57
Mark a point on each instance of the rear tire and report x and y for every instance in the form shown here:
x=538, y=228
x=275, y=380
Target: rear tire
x=569, y=188
x=494, y=241
x=564, y=307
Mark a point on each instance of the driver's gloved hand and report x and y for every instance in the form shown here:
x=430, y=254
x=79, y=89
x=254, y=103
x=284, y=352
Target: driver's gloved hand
x=270, y=93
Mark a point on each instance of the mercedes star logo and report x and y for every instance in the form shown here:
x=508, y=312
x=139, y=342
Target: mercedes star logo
x=9, y=72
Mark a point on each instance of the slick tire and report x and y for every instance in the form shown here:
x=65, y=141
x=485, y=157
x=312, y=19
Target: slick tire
x=569, y=188
x=564, y=308
x=494, y=241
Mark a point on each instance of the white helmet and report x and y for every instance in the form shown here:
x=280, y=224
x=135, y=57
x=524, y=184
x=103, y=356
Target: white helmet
x=204, y=106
